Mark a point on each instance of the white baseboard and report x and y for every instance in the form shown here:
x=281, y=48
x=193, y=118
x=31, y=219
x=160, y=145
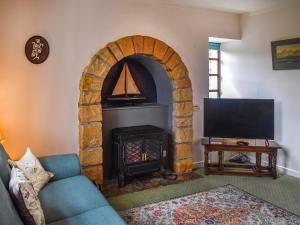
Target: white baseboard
x=289, y=171
x=198, y=164
x=281, y=169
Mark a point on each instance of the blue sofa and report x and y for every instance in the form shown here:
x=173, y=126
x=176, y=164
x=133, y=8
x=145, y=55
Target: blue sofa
x=68, y=199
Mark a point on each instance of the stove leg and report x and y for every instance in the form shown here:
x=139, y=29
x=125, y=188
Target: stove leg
x=121, y=180
x=161, y=169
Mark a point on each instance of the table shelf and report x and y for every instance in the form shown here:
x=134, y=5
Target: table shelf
x=258, y=147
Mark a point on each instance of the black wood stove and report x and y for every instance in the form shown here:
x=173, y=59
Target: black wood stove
x=138, y=150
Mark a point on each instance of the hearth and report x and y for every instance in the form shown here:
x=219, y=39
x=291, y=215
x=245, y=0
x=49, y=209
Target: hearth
x=138, y=150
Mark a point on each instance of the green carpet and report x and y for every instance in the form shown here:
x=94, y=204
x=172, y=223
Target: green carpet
x=283, y=191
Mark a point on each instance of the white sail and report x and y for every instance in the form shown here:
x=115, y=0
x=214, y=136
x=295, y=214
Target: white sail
x=131, y=86
x=120, y=86
x=125, y=84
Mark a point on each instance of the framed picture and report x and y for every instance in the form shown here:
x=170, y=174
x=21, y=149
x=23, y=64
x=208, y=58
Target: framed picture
x=286, y=54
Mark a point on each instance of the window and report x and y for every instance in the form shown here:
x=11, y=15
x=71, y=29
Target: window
x=214, y=70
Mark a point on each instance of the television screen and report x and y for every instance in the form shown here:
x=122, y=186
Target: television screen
x=239, y=118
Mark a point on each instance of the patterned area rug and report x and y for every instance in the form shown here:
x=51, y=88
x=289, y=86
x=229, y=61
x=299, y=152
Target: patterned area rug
x=223, y=205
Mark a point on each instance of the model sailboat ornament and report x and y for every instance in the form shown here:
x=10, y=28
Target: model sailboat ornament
x=126, y=89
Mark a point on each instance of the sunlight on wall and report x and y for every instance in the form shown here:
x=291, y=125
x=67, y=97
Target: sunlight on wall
x=227, y=84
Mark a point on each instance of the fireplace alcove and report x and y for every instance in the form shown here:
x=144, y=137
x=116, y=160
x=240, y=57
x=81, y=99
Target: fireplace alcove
x=145, y=51
x=156, y=109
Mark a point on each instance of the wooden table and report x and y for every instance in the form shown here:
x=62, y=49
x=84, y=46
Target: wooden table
x=255, y=146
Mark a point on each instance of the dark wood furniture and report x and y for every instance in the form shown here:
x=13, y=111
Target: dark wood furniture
x=255, y=146
x=138, y=150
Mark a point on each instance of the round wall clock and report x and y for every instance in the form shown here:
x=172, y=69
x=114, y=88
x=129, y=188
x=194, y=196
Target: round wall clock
x=37, y=49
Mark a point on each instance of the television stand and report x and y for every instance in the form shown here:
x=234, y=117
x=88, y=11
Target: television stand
x=259, y=147
x=242, y=143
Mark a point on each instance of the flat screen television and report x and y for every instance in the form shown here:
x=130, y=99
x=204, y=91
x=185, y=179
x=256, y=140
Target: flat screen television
x=239, y=118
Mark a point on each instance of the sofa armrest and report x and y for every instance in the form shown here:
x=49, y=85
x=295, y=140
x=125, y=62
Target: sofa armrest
x=62, y=166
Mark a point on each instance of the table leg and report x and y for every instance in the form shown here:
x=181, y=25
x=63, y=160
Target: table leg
x=258, y=162
x=270, y=161
x=206, y=161
x=221, y=159
x=274, y=162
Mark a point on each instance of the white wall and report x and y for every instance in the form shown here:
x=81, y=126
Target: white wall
x=38, y=103
x=247, y=73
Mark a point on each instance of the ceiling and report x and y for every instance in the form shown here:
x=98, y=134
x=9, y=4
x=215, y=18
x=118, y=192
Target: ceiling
x=234, y=6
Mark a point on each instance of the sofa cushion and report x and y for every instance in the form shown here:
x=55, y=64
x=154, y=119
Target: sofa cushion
x=33, y=170
x=4, y=167
x=25, y=198
x=8, y=213
x=105, y=215
x=62, y=166
x=69, y=197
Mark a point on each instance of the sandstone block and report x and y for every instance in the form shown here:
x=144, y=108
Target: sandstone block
x=90, y=113
x=91, y=156
x=138, y=42
x=180, y=72
x=183, y=151
x=173, y=61
x=182, y=83
x=182, y=135
x=160, y=49
x=167, y=56
x=90, y=135
x=89, y=97
x=126, y=46
x=183, y=109
x=90, y=83
x=182, y=121
x=183, y=166
x=107, y=56
x=148, y=45
x=182, y=94
x=116, y=51
x=97, y=67
x=94, y=173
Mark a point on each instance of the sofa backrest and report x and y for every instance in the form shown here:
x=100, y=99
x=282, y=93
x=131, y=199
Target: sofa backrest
x=8, y=212
x=4, y=167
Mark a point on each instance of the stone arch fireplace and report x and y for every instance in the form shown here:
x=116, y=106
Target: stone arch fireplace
x=90, y=111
